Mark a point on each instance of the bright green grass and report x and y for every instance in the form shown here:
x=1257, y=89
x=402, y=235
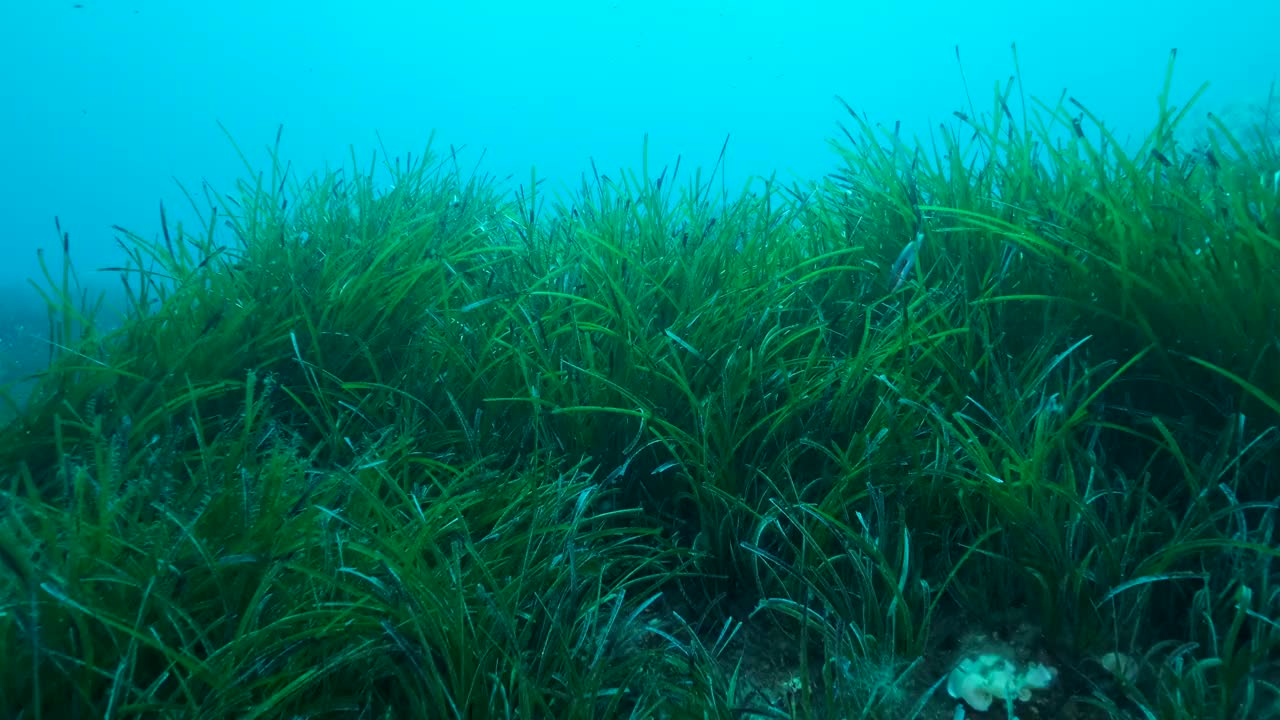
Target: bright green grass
x=433, y=452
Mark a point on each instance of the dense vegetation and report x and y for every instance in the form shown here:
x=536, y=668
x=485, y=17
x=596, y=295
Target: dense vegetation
x=657, y=450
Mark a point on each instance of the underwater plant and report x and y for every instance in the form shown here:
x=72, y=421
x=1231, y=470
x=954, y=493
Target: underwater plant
x=658, y=450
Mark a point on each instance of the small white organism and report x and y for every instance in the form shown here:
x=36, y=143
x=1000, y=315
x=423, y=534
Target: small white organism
x=1121, y=666
x=980, y=681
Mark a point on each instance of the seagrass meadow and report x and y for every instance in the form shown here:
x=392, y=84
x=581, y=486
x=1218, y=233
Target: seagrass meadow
x=663, y=449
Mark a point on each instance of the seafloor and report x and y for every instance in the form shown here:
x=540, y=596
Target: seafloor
x=981, y=426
